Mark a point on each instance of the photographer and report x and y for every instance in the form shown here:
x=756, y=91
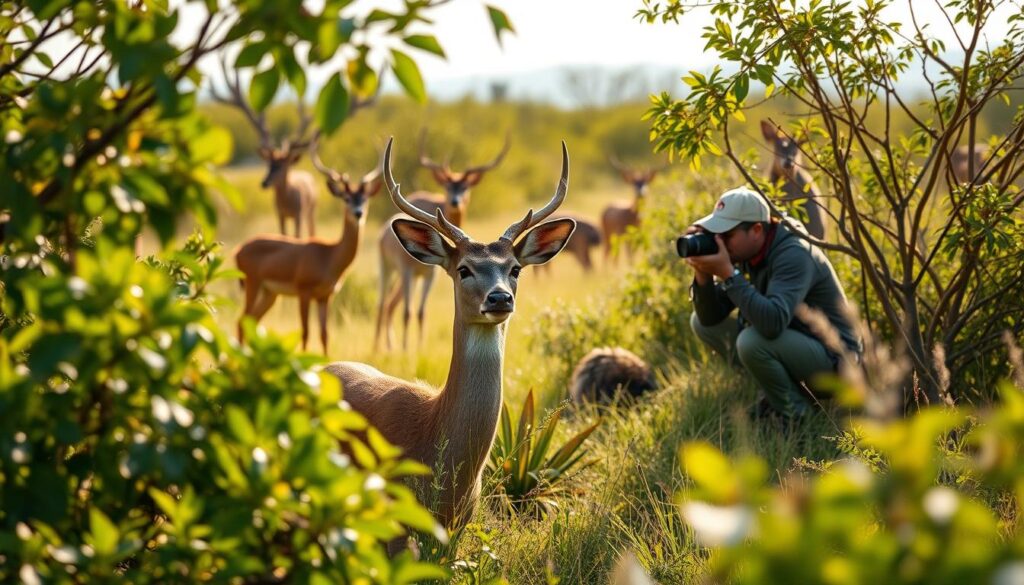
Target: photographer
x=762, y=268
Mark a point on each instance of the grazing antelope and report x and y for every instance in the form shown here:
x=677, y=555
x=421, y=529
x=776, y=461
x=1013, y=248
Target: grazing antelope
x=451, y=429
x=797, y=183
x=310, y=269
x=586, y=236
x=967, y=162
x=395, y=261
x=620, y=215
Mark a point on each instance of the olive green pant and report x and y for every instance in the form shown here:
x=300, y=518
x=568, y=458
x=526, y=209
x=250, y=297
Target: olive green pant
x=778, y=365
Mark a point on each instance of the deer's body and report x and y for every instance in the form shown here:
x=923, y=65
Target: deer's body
x=619, y=216
x=451, y=429
x=399, y=272
x=310, y=269
x=586, y=236
x=964, y=168
x=797, y=183
x=295, y=198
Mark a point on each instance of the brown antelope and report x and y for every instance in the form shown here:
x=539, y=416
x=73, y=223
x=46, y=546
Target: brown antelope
x=393, y=258
x=451, y=429
x=311, y=269
x=797, y=184
x=618, y=216
x=295, y=192
x=966, y=162
x=586, y=236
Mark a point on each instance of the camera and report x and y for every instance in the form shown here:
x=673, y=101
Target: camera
x=699, y=244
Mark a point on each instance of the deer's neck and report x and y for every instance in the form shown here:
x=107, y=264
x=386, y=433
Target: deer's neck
x=470, y=402
x=344, y=251
x=281, y=186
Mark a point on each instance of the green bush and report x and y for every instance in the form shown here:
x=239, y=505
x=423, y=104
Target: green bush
x=139, y=442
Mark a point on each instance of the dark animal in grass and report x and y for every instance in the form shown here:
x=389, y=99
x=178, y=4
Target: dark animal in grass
x=607, y=370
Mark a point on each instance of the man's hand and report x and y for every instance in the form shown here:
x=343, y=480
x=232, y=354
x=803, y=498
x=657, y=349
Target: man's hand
x=718, y=264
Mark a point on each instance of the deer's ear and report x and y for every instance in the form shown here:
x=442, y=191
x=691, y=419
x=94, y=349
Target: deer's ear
x=440, y=176
x=545, y=241
x=472, y=178
x=769, y=131
x=373, y=187
x=422, y=242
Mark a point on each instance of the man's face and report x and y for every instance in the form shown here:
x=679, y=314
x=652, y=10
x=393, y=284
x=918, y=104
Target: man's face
x=744, y=244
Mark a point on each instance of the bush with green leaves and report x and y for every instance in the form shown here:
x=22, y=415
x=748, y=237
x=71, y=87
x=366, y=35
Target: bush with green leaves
x=138, y=441
x=529, y=468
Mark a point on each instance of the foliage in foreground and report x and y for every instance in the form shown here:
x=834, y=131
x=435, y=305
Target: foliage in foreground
x=139, y=442
x=924, y=515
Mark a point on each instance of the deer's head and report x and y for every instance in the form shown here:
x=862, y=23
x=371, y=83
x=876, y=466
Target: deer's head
x=639, y=179
x=279, y=160
x=486, y=276
x=457, y=184
x=786, y=150
x=355, y=193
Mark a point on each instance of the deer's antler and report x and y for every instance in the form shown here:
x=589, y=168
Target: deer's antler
x=235, y=97
x=515, y=230
x=438, y=222
x=497, y=160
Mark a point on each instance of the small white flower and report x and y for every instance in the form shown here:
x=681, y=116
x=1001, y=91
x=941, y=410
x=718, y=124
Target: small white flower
x=136, y=291
x=23, y=531
x=78, y=287
x=259, y=456
x=374, y=483
x=29, y=576
x=13, y=137
x=311, y=378
x=182, y=415
x=941, y=503
x=118, y=385
x=340, y=459
x=718, y=525
x=153, y=359
x=284, y=440
x=65, y=554
x=161, y=409
x=68, y=159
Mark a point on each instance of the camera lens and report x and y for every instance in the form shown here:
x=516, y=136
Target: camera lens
x=701, y=244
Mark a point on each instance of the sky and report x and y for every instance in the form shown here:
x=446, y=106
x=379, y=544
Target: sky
x=555, y=34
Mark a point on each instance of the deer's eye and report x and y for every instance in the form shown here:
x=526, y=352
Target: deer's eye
x=464, y=272
x=515, y=271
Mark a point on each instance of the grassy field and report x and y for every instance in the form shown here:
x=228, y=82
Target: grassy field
x=625, y=498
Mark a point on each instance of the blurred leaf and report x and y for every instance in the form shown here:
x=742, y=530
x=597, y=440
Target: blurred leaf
x=332, y=105
x=408, y=74
x=427, y=43
x=500, y=22
x=263, y=88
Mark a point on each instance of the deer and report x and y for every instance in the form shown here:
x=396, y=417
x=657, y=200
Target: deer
x=311, y=269
x=618, y=216
x=966, y=162
x=295, y=191
x=394, y=261
x=451, y=429
x=797, y=184
x=586, y=236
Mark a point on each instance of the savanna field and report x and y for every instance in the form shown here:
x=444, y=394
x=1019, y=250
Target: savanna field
x=141, y=441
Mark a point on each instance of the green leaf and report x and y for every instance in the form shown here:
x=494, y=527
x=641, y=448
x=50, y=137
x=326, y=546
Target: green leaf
x=500, y=22
x=426, y=43
x=251, y=55
x=332, y=104
x=104, y=534
x=263, y=88
x=418, y=571
x=45, y=60
x=215, y=146
x=408, y=74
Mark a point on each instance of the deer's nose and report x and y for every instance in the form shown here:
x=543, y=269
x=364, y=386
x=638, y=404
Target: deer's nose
x=499, y=300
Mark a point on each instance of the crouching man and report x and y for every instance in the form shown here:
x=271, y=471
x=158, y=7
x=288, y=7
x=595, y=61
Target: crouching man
x=765, y=271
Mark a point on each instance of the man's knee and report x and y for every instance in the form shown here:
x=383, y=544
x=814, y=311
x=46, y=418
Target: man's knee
x=750, y=344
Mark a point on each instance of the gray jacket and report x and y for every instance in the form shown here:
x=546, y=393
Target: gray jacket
x=792, y=272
